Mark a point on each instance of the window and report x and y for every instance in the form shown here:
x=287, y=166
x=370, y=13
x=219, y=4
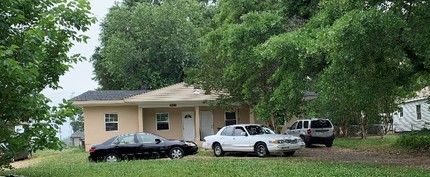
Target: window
x=162, y=121
x=293, y=127
x=230, y=118
x=238, y=131
x=111, y=122
x=128, y=139
x=320, y=124
x=306, y=124
x=255, y=130
x=401, y=111
x=299, y=125
x=147, y=138
x=227, y=131
x=419, y=112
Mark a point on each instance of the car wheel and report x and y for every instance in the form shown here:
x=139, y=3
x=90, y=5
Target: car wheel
x=176, y=153
x=307, y=144
x=288, y=154
x=329, y=144
x=112, y=158
x=261, y=150
x=218, y=152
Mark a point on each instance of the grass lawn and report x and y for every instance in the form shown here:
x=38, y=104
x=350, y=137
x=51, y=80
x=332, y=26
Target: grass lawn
x=74, y=163
x=371, y=143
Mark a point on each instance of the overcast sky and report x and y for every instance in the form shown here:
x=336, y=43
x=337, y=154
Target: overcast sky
x=79, y=78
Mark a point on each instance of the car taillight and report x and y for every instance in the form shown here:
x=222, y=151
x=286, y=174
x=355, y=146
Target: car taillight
x=309, y=131
x=92, y=150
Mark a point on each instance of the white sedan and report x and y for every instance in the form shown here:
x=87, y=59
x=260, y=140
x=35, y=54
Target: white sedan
x=251, y=138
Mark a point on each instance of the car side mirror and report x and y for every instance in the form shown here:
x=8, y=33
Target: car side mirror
x=243, y=134
x=157, y=141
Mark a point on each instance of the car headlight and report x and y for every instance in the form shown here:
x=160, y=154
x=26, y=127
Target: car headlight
x=190, y=144
x=275, y=142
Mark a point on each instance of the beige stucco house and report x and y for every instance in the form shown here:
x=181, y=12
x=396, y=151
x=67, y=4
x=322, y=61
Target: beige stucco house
x=177, y=111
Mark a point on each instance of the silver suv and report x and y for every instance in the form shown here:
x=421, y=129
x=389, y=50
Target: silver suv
x=313, y=131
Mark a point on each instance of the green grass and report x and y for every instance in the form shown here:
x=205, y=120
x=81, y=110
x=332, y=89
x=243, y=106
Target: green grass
x=74, y=163
x=374, y=143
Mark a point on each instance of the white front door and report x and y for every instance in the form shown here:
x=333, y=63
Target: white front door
x=188, y=126
x=206, y=124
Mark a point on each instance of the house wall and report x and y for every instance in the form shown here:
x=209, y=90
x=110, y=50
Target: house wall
x=94, y=123
x=76, y=141
x=409, y=121
x=175, y=120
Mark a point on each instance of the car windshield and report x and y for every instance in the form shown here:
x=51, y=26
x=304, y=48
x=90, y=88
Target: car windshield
x=268, y=131
x=255, y=130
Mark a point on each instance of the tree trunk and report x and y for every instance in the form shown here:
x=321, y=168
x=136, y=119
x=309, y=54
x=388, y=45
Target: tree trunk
x=273, y=122
x=345, y=129
x=363, y=125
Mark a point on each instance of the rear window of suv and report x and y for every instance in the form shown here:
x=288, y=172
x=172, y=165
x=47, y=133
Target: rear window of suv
x=320, y=124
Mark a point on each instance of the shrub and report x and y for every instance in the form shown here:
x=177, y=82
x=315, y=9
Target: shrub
x=415, y=140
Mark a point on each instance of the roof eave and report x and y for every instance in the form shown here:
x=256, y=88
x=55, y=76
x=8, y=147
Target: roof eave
x=100, y=103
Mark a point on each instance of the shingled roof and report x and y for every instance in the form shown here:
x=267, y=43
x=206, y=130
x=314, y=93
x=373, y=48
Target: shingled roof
x=104, y=95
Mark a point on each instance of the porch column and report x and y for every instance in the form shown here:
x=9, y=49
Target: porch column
x=140, y=118
x=251, y=116
x=197, y=123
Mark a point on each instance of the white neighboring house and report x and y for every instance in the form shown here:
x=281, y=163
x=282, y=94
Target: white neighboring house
x=413, y=114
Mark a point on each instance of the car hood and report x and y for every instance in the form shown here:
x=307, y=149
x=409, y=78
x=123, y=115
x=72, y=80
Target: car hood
x=276, y=136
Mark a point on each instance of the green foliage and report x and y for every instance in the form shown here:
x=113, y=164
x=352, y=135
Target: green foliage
x=34, y=41
x=359, y=56
x=73, y=163
x=152, y=47
x=371, y=61
x=77, y=122
x=415, y=140
x=239, y=57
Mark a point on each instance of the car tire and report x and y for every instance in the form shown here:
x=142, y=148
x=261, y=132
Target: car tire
x=112, y=158
x=176, y=153
x=329, y=144
x=261, y=150
x=288, y=154
x=307, y=144
x=218, y=151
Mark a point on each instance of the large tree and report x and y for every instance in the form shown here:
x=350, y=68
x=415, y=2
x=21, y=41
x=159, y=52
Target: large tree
x=374, y=56
x=34, y=41
x=148, y=44
x=359, y=56
x=238, y=58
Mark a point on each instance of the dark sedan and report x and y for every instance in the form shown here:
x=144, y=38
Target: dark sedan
x=141, y=146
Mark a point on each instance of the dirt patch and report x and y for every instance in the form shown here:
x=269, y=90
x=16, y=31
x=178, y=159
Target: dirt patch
x=25, y=163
